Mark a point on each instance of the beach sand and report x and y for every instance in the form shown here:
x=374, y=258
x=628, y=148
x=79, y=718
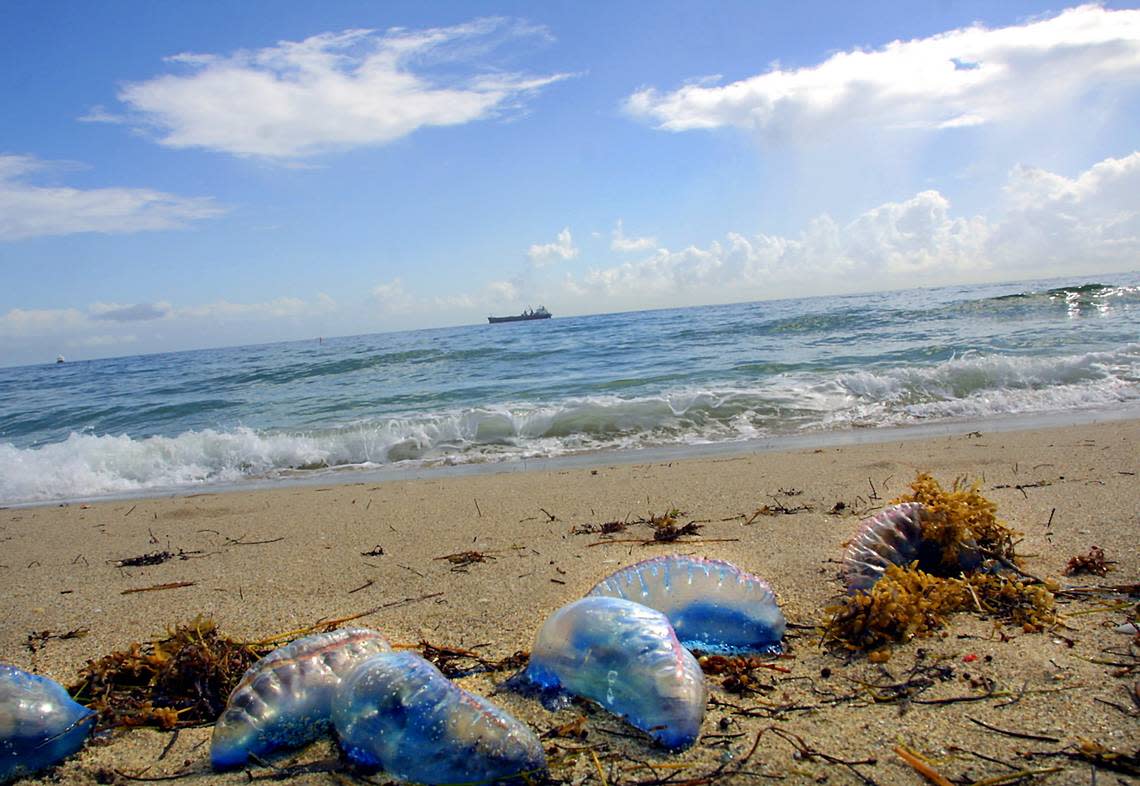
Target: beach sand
x=266, y=562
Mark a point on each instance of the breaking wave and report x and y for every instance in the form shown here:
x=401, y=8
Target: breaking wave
x=970, y=386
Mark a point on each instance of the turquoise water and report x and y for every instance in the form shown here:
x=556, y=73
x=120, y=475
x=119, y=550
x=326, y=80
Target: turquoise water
x=569, y=385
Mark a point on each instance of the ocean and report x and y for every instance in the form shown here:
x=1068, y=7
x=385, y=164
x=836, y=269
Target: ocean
x=497, y=395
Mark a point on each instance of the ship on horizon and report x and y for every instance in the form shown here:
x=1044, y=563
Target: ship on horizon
x=527, y=315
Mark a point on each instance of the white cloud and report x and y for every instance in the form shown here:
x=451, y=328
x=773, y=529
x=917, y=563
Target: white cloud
x=963, y=77
x=331, y=91
x=99, y=316
x=1093, y=218
x=619, y=241
x=28, y=211
x=34, y=322
x=1048, y=224
x=137, y=312
x=282, y=307
x=393, y=298
x=561, y=249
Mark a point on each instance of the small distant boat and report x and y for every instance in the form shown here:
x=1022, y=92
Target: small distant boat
x=535, y=313
x=59, y=359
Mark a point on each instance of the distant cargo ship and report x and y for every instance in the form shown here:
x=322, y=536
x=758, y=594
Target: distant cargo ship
x=538, y=313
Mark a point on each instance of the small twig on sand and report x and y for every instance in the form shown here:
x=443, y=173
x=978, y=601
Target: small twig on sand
x=241, y=541
x=1018, y=734
x=156, y=587
x=921, y=767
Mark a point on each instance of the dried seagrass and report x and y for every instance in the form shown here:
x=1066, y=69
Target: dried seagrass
x=181, y=680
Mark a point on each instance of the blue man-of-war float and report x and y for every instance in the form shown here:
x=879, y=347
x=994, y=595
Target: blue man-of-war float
x=398, y=713
x=712, y=605
x=626, y=657
x=40, y=724
x=894, y=536
x=395, y=711
x=285, y=699
x=389, y=710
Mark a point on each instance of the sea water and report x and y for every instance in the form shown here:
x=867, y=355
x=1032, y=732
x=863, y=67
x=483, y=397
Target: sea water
x=489, y=394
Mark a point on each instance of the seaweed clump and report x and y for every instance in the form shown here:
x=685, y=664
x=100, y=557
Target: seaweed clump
x=959, y=518
x=908, y=602
x=181, y=680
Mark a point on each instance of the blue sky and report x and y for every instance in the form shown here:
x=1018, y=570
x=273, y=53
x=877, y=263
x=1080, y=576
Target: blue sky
x=186, y=175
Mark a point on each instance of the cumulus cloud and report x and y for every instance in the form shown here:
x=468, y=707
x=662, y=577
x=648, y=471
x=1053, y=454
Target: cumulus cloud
x=28, y=211
x=1094, y=217
x=620, y=242
x=393, y=298
x=1048, y=224
x=965, y=77
x=331, y=91
x=563, y=248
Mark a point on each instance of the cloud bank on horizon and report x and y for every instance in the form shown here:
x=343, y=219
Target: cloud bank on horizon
x=307, y=102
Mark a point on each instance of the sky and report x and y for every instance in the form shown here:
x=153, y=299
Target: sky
x=186, y=175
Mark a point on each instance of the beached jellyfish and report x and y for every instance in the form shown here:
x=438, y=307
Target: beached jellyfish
x=626, y=657
x=894, y=536
x=398, y=713
x=40, y=724
x=284, y=699
x=713, y=605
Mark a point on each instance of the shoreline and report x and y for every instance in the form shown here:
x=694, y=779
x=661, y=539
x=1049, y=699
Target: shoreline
x=263, y=562
x=820, y=438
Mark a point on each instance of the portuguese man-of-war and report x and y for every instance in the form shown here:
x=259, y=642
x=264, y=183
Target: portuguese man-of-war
x=626, y=657
x=40, y=724
x=894, y=536
x=713, y=605
x=397, y=712
x=285, y=699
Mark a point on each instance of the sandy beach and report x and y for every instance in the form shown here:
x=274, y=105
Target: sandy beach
x=266, y=562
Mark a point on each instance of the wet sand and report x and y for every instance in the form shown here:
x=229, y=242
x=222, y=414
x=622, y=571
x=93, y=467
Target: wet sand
x=269, y=561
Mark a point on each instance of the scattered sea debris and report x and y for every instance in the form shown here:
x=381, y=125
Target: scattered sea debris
x=1093, y=562
x=605, y=528
x=151, y=558
x=740, y=674
x=38, y=639
x=455, y=662
x=155, y=558
x=461, y=559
